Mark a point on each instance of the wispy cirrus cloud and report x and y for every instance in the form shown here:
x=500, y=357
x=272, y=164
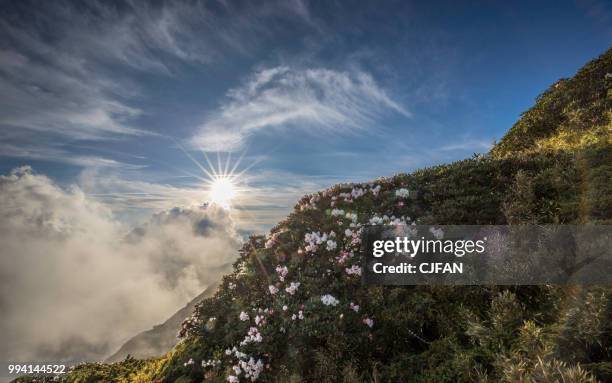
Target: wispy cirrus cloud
x=58, y=154
x=57, y=97
x=282, y=97
x=67, y=69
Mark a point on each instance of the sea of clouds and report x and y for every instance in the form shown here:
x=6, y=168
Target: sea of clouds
x=75, y=283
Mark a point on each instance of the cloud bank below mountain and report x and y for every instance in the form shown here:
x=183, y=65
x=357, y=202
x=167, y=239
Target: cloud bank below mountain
x=75, y=283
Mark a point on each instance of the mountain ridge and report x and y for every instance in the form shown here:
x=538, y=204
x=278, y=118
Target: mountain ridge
x=291, y=312
x=571, y=114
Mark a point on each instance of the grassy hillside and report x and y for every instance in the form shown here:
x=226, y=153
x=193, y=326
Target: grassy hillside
x=572, y=114
x=294, y=310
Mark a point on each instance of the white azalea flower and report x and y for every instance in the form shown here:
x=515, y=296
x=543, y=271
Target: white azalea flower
x=375, y=190
x=252, y=336
x=331, y=245
x=292, y=288
x=329, y=300
x=402, y=193
x=273, y=289
x=353, y=270
x=337, y=212
x=282, y=272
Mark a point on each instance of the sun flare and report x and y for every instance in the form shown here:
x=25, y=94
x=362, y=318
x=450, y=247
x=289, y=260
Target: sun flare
x=222, y=191
x=224, y=183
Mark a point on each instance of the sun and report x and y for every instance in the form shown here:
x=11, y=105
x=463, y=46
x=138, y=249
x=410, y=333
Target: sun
x=222, y=191
x=224, y=184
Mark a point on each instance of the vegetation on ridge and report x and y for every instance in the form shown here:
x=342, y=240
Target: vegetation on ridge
x=572, y=114
x=294, y=310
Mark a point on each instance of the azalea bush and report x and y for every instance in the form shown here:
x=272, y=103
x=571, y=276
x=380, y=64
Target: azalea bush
x=295, y=307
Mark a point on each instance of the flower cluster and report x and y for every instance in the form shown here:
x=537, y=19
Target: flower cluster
x=329, y=300
x=251, y=368
x=330, y=245
x=211, y=363
x=241, y=268
x=272, y=239
x=273, y=289
x=292, y=288
x=353, y=234
x=337, y=251
x=386, y=220
x=337, y=212
x=189, y=362
x=309, y=203
x=252, y=336
x=314, y=239
x=191, y=322
x=402, y=193
x=376, y=190
x=260, y=319
x=353, y=195
x=282, y=272
x=245, y=365
x=344, y=256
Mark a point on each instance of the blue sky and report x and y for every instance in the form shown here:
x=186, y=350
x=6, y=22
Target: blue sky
x=116, y=97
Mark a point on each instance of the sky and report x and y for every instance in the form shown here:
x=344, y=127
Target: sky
x=117, y=96
x=115, y=115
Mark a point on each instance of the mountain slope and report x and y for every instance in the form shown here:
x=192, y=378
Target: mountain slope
x=161, y=338
x=571, y=114
x=294, y=310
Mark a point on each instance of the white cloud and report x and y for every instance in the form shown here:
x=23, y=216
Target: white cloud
x=60, y=155
x=264, y=197
x=467, y=145
x=287, y=98
x=55, y=97
x=133, y=198
x=67, y=69
x=74, y=285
